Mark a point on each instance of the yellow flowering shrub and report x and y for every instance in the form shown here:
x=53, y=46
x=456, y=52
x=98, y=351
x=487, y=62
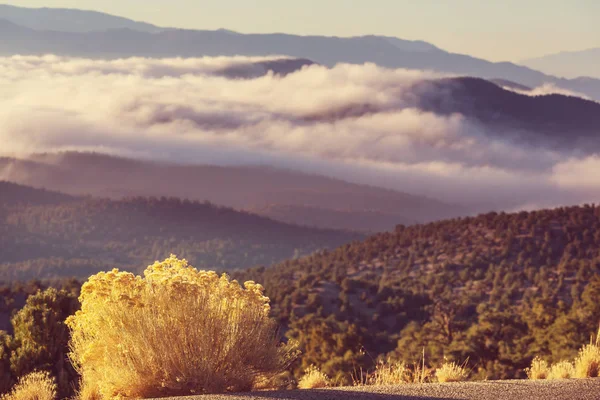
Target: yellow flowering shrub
x=34, y=386
x=175, y=331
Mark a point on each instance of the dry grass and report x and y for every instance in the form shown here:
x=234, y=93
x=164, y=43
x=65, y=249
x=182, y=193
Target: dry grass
x=177, y=331
x=539, y=369
x=587, y=363
x=390, y=373
x=451, y=372
x=421, y=374
x=395, y=373
x=35, y=386
x=313, y=378
x=562, y=370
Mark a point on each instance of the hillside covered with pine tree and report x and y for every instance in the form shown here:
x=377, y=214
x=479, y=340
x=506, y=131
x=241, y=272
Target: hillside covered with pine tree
x=493, y=290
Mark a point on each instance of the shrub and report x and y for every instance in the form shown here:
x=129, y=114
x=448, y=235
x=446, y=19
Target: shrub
x=396, y=373
x=6, y=378
x=34, y=386
x=390, y=373
x=587, y=363
x=41, y=337
x=539, y=369
x=562, y=370
x=175, y=331
x=451, y=372
x=313, y=379
x=88, y=392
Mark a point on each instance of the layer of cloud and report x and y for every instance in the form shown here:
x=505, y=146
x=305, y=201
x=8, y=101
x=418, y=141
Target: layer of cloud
x=356, y=122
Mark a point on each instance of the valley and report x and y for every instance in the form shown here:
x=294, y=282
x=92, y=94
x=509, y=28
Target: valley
x=342, y=200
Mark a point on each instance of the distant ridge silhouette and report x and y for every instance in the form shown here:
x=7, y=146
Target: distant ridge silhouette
x=117, y=37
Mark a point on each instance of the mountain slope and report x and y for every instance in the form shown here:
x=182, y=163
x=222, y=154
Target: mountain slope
x=374, y=221
x=540, y=119
x=12, y=194
x=44, y=235
x=252, y=188
x=384, y=51
x=495, y=290
x=69, y=20
x=570, y=64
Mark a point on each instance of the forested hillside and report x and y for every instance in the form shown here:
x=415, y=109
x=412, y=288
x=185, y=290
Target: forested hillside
x=492, y=290
x=47, y=235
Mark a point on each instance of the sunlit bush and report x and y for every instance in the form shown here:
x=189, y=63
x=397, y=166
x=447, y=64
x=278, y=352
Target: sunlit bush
x=562, y=370
x=390, y=373
x=587, y=363
x=313, y=378
x=34, y=386
x=539, y=369
x=394, y=372
x=451, y=372
x=175, y=331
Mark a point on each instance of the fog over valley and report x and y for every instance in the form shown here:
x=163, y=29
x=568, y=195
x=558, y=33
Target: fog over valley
x=405, y=130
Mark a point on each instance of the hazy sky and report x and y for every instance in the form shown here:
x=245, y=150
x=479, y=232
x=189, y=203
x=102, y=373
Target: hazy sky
x=493, y=29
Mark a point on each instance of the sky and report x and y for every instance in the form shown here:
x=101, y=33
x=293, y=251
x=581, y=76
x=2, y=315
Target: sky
x=507, y=30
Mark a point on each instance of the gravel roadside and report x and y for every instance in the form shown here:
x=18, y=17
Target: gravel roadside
x=580, y=389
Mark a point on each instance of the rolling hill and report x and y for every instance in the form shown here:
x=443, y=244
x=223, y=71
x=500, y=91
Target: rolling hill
x=494, y=290
x=130, y=40
x=12, y=195
x=47, y=235
x=301, y=198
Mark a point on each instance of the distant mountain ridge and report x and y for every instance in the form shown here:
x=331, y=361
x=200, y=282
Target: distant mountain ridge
x=131, y=40
x=70, y=20
x=300, y=198
x=570, y=64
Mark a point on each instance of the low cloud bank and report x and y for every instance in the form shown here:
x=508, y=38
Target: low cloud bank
x=355, y=122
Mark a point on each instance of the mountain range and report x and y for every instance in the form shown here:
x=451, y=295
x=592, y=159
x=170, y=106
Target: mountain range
x=32, y=31
x=70, y=20
x=45, y=234
x=570, y=64
x=309, y=199
x=434, y=284
x=508, y=108
x=284, y=195
x=541, y=120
